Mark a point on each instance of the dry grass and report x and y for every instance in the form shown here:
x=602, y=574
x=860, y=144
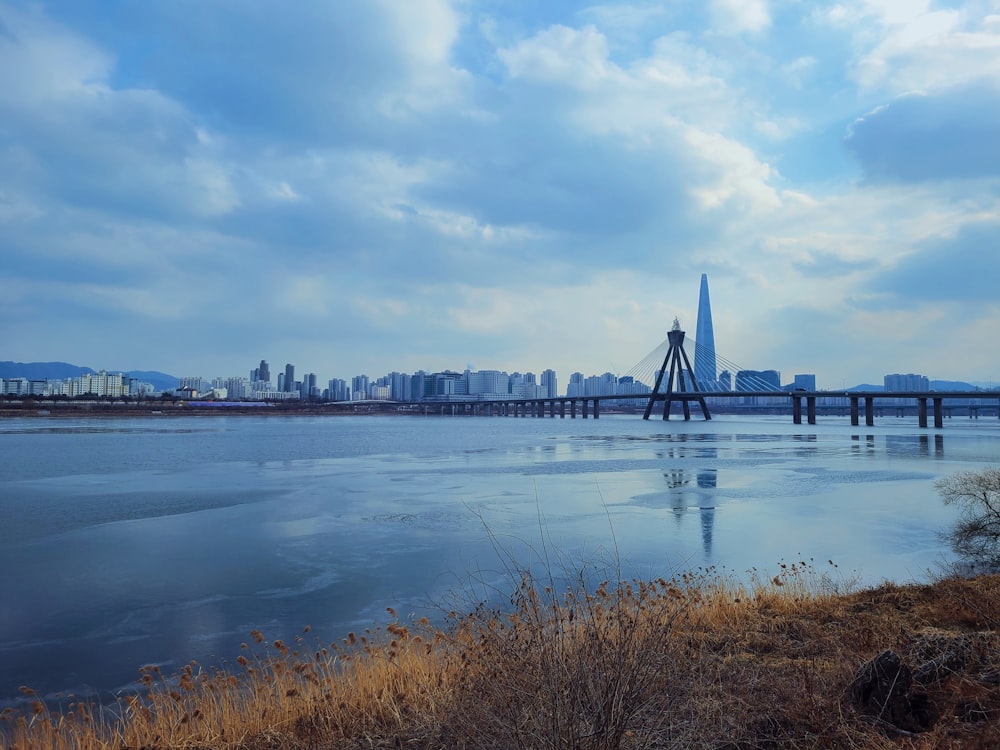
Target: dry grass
x=692, y=662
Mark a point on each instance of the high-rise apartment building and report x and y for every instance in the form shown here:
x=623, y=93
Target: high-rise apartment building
x=909, y=382
x=359, y=387
x=289, y=378
x=704, y=338
x=550, y=384
x=337, y=390
x=805, y=382
x=575, y=387
x=488, y=383
x=308, y=388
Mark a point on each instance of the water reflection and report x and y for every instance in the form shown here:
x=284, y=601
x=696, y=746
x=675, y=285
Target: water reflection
x=682, y=497
x=869, y=446
x=915, y=445
x=902, y=445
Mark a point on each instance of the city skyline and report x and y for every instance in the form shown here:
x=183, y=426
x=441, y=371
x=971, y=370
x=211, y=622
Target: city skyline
x=425, y=185
x=492, y=383
x=448, y=385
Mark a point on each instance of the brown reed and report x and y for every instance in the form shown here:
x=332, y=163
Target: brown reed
x=700, y=660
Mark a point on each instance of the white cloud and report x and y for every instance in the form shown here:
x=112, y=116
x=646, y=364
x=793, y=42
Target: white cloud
x=577, y=58
x=213, y=193
x=42, y=61
x=740, y=16
x=423, y=195
x=423, y=33
x=742, y=179
x=905, y=46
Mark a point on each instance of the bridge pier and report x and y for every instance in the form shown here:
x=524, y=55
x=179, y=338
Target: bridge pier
x=922, y=412
x=811, y=409
x=585, y=408
x=796, y=410
x=597, y=408
x=938, y=420
x=854, y=411
x=870, y=411
x=572, y=409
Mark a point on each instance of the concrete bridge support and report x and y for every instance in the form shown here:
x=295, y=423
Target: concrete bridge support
x=811, y=409
x=938, y=420
x=585, y=408
x=922, y=412
x=796, y=410
x=572, y=409
x=597, y=409
x=854, y=411
x=870, y=411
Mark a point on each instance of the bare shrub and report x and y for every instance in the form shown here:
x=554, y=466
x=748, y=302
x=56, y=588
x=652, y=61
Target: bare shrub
x=976, y=534
x=568, y=669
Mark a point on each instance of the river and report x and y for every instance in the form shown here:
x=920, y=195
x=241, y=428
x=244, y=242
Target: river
x=126, y=542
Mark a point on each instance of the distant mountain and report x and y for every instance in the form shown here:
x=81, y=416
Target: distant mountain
x=161, y=381
x=951, y=385
x=42, y=370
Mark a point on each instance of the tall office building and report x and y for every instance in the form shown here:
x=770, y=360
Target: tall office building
x=704, y=338
x=264, y=372
x=289, y=378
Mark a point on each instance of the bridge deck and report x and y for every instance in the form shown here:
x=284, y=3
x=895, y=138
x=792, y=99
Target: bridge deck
x=872, y=400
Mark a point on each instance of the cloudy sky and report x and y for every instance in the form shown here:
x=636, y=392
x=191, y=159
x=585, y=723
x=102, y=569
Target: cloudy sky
x=359, y=186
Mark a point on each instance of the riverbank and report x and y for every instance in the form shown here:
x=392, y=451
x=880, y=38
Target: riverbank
x=690, y=662
x=166, y=408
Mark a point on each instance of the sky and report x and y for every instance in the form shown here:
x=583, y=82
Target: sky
x=362, y=186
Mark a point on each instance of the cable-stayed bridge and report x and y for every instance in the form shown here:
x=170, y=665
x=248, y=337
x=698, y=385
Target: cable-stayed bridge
x=666, y=376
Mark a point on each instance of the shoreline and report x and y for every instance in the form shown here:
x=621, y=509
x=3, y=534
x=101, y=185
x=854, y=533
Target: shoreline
x=689, y=662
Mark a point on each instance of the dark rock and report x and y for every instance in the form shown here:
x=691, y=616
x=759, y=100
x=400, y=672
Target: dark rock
x=882, y=690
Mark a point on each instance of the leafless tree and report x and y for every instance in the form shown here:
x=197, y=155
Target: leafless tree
x=976, y=534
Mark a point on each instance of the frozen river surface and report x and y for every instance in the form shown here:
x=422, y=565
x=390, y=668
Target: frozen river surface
x=141, y=541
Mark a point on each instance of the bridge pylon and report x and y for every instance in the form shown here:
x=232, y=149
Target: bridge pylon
x=678, y=361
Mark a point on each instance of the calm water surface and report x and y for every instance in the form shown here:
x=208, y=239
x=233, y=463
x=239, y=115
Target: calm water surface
x=139, y=541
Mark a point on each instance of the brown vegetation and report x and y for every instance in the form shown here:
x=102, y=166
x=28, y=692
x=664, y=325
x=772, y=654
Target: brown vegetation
x=692, y=662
